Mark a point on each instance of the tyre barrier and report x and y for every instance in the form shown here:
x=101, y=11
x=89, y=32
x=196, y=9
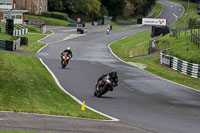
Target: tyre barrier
x=184, y=67
x=20, y=32
x=10, y=45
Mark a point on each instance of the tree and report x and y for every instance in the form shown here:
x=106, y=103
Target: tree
x=55, y=5
x=115, y=7
x=140, y=5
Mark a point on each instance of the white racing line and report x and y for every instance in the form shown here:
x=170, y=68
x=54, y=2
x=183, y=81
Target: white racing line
x=43, y=39
x=76, y=99
x=175, y=15
x=68, y=30
x=73, y=36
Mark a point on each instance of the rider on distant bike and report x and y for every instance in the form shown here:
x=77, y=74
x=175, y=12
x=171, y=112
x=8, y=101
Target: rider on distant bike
x=68, y=52
x=112, y=77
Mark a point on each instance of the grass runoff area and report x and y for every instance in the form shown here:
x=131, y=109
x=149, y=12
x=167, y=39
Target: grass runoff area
x=132, y=46
x=33, y=36
x=135, y=45
x=27, y=86
x=193, y=12
x=49, y=21
x=7, y=37
x=33, y=46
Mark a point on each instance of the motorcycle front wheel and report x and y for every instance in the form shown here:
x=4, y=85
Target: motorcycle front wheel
x=99, y=93
x=64, y=63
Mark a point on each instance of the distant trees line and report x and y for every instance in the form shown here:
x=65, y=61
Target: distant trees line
x=95, y=9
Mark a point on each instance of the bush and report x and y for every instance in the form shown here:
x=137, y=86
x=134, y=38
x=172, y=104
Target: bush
x=46, y=14
x=58, y=15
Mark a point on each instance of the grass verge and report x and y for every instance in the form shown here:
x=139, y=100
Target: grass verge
x=33, y=46
x=132, y=46
x=178, y=47
x=32, y=29
x=139, y=46
x=49, y=21
x=154, y=66
x=27, y=86
x=7, y=37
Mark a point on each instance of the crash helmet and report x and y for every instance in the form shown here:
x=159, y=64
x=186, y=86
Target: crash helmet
x=113, y=73
x=68, y=48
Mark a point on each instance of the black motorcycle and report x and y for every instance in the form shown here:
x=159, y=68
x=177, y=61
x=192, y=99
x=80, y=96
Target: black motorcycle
x=108, y=31
x=64, y=60
x=103, y=86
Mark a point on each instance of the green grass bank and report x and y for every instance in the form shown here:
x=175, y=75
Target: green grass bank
x=27, y=86
x=49, y=21
x=135, y=45
x=33, y=44
x=132, y=46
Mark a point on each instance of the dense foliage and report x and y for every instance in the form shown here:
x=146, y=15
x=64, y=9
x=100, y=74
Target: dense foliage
x=95, y=9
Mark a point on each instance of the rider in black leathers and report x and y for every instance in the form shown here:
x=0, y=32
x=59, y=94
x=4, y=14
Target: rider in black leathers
x=112, y=77
x=68, y=51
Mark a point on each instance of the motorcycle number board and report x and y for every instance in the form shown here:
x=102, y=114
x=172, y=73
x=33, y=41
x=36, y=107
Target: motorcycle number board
x=151, y=21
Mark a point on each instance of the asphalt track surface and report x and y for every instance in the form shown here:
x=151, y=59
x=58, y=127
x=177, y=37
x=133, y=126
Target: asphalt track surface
x=143, y=102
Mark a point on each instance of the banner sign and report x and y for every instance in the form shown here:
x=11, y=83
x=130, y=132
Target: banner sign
x=152, y=21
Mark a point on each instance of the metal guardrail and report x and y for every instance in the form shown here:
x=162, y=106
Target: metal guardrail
x=126, y=23
x=184, y=67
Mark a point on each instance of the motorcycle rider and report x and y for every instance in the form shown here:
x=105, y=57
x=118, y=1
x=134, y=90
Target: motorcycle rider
x=68, y=52
x=108, y=31
x=112, y=77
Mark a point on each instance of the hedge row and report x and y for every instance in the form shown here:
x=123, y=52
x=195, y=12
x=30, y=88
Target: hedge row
x=57, y=15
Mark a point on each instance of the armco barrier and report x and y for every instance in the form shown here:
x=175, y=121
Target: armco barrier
x=181, y=66
x=10, y=45
x=126, y=23
x=2, y=44
x=72, y=25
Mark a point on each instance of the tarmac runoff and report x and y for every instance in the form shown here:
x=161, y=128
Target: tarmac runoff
x=73, y=36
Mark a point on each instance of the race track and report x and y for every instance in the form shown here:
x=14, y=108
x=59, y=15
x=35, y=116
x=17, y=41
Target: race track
x=141, y=99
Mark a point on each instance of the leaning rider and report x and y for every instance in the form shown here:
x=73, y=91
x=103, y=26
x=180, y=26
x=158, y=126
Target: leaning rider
x=112, y=77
